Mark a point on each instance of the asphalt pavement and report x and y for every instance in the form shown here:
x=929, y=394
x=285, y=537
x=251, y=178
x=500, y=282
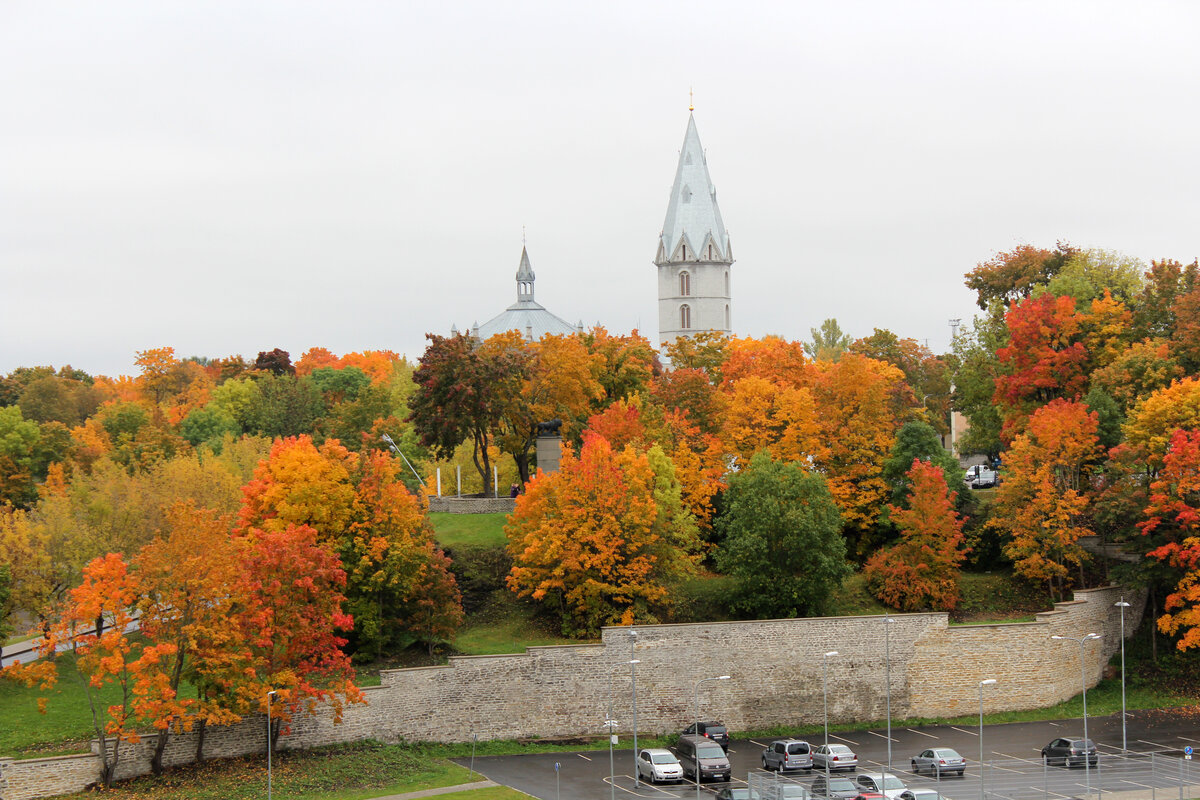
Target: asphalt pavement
x=1012, y=756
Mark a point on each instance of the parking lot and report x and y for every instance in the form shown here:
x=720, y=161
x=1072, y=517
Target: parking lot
x=1154, y=767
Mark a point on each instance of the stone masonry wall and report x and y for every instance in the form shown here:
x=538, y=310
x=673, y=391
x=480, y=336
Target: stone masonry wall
x=472, y=505
x=776, y=679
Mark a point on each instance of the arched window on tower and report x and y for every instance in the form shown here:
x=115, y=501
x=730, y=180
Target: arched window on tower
x=685, y=317
x=727, y=325
x=683, y=251
x=710, y=251
x=727, y=283
x=685, y=284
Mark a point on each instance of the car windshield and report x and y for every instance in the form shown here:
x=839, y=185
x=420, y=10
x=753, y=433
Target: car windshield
x=664, y=758
x=715, y=730
x=797, y=747
x=709, y=750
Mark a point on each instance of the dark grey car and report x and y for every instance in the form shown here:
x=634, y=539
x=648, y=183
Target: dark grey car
x=837, y=787
x=1071, y=752
x=702, y=758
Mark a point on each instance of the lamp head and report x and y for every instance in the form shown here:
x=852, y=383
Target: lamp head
x=988, y=682
x=1121, y=604
x=634, y=661
x=1092, y=636
x=1057, y=638
x=831, y=654
x=723, y=678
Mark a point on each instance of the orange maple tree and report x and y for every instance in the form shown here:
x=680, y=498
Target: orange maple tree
x=921, y=570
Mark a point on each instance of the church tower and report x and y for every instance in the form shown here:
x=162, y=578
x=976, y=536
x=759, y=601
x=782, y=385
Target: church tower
x=694, y=255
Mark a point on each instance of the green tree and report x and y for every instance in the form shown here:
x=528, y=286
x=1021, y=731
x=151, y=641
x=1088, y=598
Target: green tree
x=286, y=406
x=18, y=439
x=917, y=440
x=208, y=424
x=828, y=341
x=782, y=540
x=975, y=367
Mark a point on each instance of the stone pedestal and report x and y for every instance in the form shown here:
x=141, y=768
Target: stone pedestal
x=548, y=453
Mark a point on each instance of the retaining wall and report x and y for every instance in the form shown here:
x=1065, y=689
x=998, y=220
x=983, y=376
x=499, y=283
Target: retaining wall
x=933, y=670
x=473, y=505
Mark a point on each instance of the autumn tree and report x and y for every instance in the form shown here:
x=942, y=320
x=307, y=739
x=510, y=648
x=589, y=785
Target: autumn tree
x=771, y=358
x=1165, y=282
x=764, y=416
x=461, y=394
x=926, y=374
x=277, y=362
x=629, y=362
x=782, y=540
x=704, y=350
x=1153, y=421
x=1011, y=276
x=1044, y=359
x=1136, y=372
x=1173, y=523
x=689, y=391
x=94, y=625
x=1042, y=503
x=1088, y=274
x=558, y=381
x=921, y=570
x=292, y=617
x=917, y=440
x=188, y=592
x=603, y=540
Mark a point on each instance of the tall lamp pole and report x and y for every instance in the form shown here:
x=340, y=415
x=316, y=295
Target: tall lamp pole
x=633, y=662
x=1087, y=761
x=983, y=683
x=1122, y=605
x=887, y=657
x=697, y=696
x=825, y=689
x=611, y=725
x=270, y=694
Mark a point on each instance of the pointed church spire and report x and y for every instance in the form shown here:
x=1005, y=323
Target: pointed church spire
x=525, y=277
x=693, y=218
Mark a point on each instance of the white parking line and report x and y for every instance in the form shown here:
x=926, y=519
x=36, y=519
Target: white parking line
x=1155, y=744
x=994, y=766
x=581, y=755
x=840, y=739
x=1135, y=783
x=1041, y=789
x=760, y=744
x=923, y=733
x=882, y=736
x=1018, y=758
x=960, y=730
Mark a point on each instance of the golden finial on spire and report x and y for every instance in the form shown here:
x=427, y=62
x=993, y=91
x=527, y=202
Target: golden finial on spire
x=691, y=100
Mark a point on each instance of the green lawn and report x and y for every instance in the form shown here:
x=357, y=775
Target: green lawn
x=66, y=727
x=344, y=772
x=510, y=635
x=486, y=530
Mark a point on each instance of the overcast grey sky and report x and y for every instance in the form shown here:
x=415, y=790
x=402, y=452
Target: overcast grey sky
x=230, y=177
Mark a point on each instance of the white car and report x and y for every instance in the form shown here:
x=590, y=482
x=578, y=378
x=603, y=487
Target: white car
x=888, y=785
x=659, y=765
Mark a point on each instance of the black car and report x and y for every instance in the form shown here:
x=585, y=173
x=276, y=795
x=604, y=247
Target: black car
x=711, y=730
x=1071, y=752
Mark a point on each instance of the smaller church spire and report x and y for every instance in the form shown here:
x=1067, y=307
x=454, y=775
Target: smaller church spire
x=525, y=277
x=691, y=99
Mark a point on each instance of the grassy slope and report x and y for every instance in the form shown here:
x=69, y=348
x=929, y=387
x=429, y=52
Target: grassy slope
x=486, y=530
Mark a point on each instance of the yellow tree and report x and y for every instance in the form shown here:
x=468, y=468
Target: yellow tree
x=762, y=415
x=602, y=540
x=1154, y=420
x=860, y=404
x=773, y=358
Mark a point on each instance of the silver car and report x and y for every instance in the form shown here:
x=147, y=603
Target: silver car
x=834, y=756
x=888, y=785
x=659, y=765
x=939, y=761
x=784, y=754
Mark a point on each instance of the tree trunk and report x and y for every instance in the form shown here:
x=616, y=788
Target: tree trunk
x=108, y=770
x=160, y=745
x=480, y=457
x=200, y=730
x=1153, y=626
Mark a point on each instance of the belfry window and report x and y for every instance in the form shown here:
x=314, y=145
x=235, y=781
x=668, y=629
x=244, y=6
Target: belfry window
x=685, y=317
x=685, y=284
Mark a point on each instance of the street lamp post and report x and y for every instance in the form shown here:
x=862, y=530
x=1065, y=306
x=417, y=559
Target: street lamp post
x=983, y=683
x=1087, y=761
x=633, y=662
x=270, y=694
x=611, y=725
x=825, y=689
x=887, y=658
x=1123, y=605
x=697, y=697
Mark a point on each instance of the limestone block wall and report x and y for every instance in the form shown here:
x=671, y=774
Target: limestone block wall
x=472, y=505
x=932, y=669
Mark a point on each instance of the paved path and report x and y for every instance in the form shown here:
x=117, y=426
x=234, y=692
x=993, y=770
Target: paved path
x=462, y=787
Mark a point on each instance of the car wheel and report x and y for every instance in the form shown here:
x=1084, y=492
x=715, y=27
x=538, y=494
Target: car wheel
x=764, y=762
